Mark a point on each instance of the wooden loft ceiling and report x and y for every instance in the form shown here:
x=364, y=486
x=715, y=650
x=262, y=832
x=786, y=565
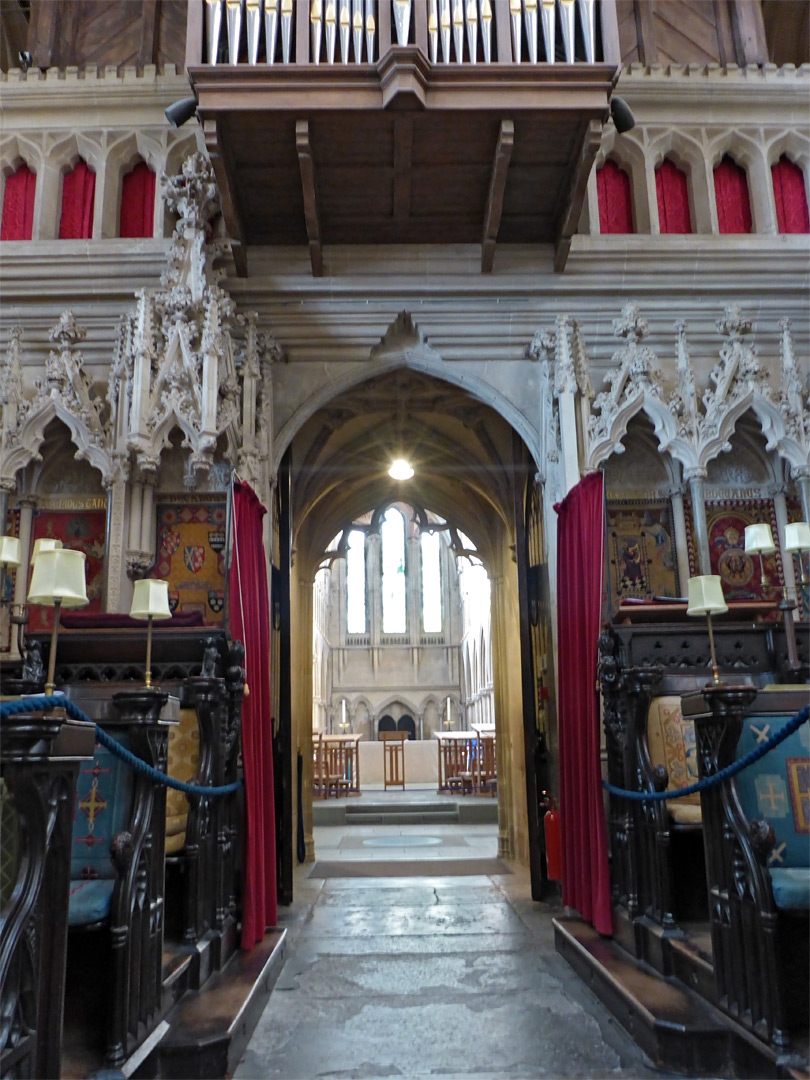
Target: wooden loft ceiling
x=403, y=152
x=402, y=121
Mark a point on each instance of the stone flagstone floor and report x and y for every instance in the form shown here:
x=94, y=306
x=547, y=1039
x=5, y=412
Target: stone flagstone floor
x=428, y=977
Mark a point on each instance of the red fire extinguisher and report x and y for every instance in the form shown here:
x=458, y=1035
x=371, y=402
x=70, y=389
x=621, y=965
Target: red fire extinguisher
x=551, y=825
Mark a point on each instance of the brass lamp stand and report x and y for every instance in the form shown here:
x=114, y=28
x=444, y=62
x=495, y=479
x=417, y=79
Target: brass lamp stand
x=57, y=581
x=706, y=598
x=150, y=601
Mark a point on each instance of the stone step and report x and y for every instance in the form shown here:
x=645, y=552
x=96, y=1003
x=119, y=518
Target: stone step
x=675, y=1027
x=399, y=817
x=362, y=809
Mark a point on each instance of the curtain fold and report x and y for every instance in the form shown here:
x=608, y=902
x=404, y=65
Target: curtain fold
x=78, y=197
x=138, y=202
x=580, y=543
x=672, y=191
x=249, y=605
x=18, y=205
x=731, y=197
x=790, y=197
x=615, y=199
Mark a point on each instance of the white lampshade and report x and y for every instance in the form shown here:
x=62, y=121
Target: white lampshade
x=44, y=544
x=9, y=551
x=59, y=575
x=150, y=597
x=706, y=596
x=759, y=540
x=797, y=536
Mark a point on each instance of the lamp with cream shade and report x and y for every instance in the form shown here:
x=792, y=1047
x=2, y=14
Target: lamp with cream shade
x=10, y=555
x=759, y=541
x=57, y=581
x=706, y=598
x=150, y=601
x=44, y=544
x=797, y=540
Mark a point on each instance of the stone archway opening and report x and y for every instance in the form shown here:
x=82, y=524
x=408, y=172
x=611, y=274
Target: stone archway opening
x=466, y=486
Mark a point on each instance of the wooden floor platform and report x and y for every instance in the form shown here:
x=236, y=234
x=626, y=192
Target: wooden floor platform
x=677, y=1029
x=210, y=1028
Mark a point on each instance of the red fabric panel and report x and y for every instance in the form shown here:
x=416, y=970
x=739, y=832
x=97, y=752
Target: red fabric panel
x=78, y=197
x=580, y=543
x=731, y=196
x=138, y=202
x=790, y=196
x=673, y=198
x=250, y=623
x=615, y=200
x=18, y=205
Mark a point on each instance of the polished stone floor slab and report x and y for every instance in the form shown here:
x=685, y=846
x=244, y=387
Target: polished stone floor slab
x=430, y=977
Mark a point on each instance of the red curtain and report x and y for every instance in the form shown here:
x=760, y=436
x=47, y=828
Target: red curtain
x=138, y=202
x=580, y=541
x=18, y=205
x=250, y=623
x=615, y=200
x=790, y=196
x=673, y=198
x=78, y=197
x=731, y=196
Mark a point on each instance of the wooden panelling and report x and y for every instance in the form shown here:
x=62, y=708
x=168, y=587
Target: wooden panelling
x=787, y=29
x=106, y=34
x=628, y=33
x=687, y=31
x=700, y=31
x=170, y=36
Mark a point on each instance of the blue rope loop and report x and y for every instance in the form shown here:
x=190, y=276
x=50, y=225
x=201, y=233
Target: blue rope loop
x=730, y=770
x=43, y=703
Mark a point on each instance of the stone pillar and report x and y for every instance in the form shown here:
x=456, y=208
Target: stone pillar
x=373, y=591
x=147, y=540
x=302, y=705
x=115, y=571
x=135, y=514
x=803, y=484
x=681, y=547
x=26, y=506
x=503, y=738
x=696, y=478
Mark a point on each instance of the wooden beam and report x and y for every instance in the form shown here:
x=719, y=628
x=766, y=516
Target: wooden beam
x=223, y=170
x=748, y=27
x=42, y=33
x=497, y=187
x=306, y=163
x=645, y=27
x=194, y=33
x=146, y=44
x=611, y=49
x=577, y=186
x=403, y=147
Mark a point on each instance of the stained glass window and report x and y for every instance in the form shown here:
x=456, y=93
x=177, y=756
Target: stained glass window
x=392, y=532
x=431, y=584
x=356, y=583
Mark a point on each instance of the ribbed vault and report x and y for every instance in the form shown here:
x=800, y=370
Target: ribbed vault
x=460, y=448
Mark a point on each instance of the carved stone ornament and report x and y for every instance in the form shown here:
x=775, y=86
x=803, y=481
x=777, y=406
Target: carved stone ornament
x=65, y=392
x=634, y=383
x=185, y=359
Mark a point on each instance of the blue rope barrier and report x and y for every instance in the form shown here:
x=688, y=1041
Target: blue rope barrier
x=41, y=702
x=730, y=770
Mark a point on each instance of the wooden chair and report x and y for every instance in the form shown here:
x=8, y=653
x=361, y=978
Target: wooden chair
x=487, y=766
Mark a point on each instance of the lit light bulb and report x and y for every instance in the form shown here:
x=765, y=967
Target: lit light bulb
x=400, y=470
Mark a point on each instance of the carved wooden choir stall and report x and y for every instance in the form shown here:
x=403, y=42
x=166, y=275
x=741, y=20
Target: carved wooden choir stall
x=143, y=929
